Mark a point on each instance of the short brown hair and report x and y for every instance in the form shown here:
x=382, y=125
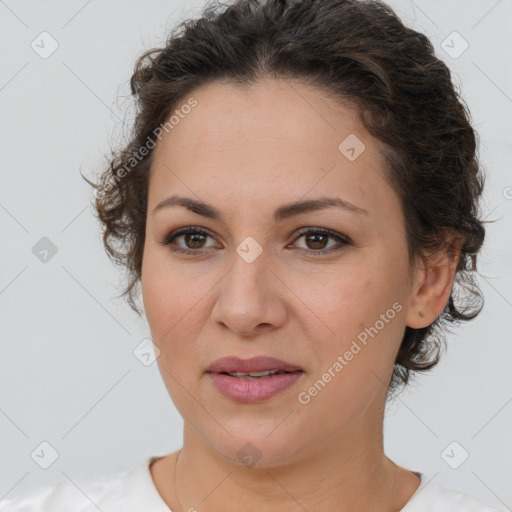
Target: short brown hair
x=358, y=51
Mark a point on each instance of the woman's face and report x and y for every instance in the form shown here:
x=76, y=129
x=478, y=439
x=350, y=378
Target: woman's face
x=249, y=287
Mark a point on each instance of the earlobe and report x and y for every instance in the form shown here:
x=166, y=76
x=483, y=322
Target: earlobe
x=434, y=286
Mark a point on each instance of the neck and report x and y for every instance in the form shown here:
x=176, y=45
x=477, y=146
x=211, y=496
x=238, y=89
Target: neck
x=348, y=472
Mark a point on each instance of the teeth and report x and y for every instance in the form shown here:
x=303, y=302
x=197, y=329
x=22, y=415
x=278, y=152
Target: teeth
x=253, y=374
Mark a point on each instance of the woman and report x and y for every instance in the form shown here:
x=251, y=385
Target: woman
x=298, y=201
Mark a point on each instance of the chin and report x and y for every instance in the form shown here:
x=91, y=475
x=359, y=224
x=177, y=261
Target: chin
x=258, y=450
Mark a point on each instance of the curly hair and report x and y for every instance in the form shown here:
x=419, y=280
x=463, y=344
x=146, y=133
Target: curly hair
x=357, y=51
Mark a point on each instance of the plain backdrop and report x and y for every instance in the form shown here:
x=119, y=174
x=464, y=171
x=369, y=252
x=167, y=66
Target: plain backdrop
x=68, y=373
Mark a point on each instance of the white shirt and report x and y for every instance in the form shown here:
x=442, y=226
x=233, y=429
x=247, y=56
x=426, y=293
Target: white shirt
x=133, y=490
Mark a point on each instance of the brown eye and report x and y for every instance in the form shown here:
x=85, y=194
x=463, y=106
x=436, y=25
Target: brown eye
x=193, y=240
x=316, y=241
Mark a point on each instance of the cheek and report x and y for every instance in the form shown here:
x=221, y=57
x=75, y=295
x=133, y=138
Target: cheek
x=152, y=290
x=175, y=301
x=163, y=294
x=170, y=304
x=163, y=284
x=356, y=359
x=361, y=311
x=350, y=297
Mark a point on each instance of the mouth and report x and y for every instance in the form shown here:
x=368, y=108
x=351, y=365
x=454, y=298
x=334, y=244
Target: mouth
x=252, y=380
x=256, y=375
x=250, y=389
x=255, y=367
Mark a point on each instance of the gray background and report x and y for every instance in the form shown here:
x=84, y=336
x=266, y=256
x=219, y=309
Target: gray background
x=68, y=374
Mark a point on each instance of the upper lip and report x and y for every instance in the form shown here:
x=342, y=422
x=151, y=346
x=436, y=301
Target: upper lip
x=254, y=364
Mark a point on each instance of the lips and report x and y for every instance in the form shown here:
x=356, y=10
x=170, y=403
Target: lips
x=233, y=364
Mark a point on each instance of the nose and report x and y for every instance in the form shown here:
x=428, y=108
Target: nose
x=250, y=299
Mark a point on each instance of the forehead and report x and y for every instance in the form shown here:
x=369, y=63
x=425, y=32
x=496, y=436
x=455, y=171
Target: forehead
x=276, y=110
x=274, y=137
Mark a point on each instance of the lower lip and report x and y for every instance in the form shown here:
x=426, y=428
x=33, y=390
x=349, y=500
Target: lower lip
x=251, y=391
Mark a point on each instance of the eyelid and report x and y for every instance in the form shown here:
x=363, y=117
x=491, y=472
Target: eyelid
x=339, y=237
x=324, y=231
x=169, y=238
x=342, y=240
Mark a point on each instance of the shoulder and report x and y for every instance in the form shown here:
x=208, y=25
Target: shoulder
x=430, y=496
x=104, y=492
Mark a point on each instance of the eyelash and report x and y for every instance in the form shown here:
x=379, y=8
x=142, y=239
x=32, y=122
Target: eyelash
x=194, y=230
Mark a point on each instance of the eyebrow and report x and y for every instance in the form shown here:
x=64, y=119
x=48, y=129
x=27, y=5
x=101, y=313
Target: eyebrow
x=283, y=212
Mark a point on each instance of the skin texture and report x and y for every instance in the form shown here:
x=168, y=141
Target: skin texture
x=247, y=151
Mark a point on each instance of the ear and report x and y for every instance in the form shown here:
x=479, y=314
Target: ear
x=433, y=282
